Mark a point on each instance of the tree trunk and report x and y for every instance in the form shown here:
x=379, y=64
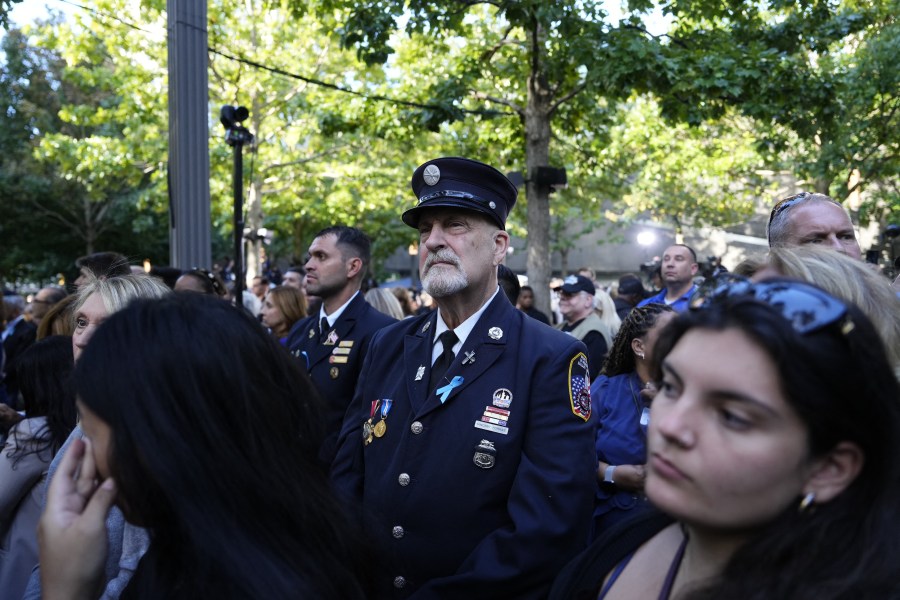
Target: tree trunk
x=90, y=230
x=537, y=154
x=254, y=217
x=253, y=223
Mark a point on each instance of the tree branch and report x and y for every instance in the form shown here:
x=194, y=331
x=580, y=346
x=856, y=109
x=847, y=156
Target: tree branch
x=574, y=92
x=655, y=37
x=308, y=159
x=482, y=96
x=488, y=54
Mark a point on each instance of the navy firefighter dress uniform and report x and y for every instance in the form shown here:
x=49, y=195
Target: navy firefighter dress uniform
x=484, y=489
x=334, y=358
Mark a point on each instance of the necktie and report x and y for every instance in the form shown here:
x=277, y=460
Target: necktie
x=443, y=362
x=323, y=329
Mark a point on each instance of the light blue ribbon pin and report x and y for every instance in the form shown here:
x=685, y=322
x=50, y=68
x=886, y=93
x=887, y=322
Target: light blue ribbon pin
x=444, y=392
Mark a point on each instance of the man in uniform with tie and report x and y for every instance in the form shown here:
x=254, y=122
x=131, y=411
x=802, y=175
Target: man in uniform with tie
x=468, y=447
x=332, y=342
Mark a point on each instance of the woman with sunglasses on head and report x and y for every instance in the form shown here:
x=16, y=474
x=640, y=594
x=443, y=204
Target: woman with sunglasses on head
x=201, y=281
x=772, y=456
x=205, y=432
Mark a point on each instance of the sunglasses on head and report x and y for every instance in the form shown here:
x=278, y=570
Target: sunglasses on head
x=786, y=203
x=808, y=308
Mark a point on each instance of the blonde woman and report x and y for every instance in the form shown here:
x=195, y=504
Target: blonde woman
x=384, y=301
x=848, y=279
x=606, y=308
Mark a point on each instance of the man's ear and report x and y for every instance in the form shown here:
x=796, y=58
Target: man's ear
x=833, y=473
x=501, y=244
x=354, y=266
x=694, y=268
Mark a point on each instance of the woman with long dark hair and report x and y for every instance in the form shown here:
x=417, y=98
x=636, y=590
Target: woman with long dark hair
x=206, y=432
x=43, y=372
x=773, y=446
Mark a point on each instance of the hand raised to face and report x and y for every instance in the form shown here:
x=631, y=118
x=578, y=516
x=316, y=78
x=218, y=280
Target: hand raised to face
x=72, y=531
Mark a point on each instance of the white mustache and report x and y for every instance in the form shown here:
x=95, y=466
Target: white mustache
x=443, y=255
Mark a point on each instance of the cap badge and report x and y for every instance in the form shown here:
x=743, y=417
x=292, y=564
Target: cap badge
x=492, y=205
x=431, y=175
x=571, y=280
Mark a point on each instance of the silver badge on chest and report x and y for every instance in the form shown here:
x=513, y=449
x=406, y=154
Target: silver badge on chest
x=485, y=455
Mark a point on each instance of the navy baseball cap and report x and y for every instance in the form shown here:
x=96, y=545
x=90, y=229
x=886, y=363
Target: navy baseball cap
x=631, y=284
x=577, y=283
x=461, y=183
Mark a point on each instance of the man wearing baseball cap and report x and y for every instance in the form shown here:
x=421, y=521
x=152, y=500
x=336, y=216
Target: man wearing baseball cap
x=580, y=320
x=628, y=294
x=468, y=447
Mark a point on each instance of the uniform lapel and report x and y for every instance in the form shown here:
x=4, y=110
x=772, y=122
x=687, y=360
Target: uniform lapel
x=417, y=348
x=342, y=328
x=484, y=345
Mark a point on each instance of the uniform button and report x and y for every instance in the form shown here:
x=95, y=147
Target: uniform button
x=398, y=532
x=416, y=427
x=403, y=479
x=399, y=582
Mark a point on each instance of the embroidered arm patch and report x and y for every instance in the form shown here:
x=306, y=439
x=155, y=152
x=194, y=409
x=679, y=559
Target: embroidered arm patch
x=580, y=386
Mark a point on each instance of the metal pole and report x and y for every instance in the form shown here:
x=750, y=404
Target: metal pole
x=238, y=178
x=189, y=210
x=236, y=136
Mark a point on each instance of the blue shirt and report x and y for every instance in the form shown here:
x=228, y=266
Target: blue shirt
x=621, y=439
x=679, y=305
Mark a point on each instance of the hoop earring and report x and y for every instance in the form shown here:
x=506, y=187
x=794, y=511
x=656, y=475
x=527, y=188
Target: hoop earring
x=807, y=503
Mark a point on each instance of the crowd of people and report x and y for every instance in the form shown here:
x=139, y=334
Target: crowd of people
x=733, y=437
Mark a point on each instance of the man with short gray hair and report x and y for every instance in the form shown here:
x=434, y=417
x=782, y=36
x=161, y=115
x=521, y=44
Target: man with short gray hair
x=808, y=218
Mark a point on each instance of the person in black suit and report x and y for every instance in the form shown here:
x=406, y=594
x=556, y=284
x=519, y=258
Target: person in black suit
x=468, y=449
x=17, y=336
x=332, y=342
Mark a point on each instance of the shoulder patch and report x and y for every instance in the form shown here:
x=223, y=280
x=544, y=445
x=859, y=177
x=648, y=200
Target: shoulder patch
x=580, y=386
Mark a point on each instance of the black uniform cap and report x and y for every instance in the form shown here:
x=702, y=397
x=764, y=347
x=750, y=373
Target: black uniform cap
x=461, y=183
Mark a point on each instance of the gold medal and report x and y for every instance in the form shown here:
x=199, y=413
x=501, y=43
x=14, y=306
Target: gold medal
x=380, y=428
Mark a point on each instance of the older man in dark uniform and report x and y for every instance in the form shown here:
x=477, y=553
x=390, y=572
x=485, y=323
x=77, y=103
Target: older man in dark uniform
x=469, y=446
x=332, y=342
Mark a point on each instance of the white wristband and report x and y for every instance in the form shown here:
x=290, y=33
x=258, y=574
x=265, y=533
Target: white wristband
x=608, y=474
